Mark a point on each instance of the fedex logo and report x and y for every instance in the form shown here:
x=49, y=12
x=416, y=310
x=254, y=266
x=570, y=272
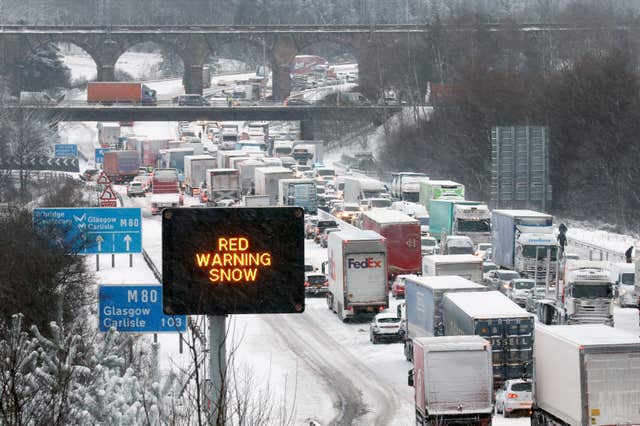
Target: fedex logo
x=364, y=264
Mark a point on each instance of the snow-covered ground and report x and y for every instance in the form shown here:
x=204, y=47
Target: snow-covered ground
x=314, y=365
x=136, y=64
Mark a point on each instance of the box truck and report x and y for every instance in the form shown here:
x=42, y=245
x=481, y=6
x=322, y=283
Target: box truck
x=120, y=92
x=403, y=239
x=299, y=192
x=267, y=181
x=247, y=170
x=357, y=188
x=223, y=184
x=459, y=217
x=452, y=380
x=357, y=274
x=423, y=306
x=173, y=158
x=165, y=190
x=108, y=135
x=521, y=239
x=585, y=375
x=464, y=265
x=406, y=185
x=492, y=315
x=195, y=171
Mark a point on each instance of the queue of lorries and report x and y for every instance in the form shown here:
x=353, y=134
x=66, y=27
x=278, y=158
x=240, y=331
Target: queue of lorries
x=494, y=317
x=527, y=329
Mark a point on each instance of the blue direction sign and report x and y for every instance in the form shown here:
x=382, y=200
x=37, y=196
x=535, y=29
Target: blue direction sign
x=136, y=309
x=99, y=155
x=94, y=230
x=65, y=150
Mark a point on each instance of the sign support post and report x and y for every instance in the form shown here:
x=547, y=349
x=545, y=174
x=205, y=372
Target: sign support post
x=217, y=365
x=97, y=262
x=113, y=260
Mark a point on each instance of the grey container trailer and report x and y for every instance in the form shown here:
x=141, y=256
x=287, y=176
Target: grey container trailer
x=586, y=374
x=423, y=306
x=495, y=317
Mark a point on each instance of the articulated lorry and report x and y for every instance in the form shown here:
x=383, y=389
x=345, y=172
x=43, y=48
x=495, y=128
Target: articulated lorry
x=299, y=192
x=423, y=306
x=403, y=239
x=357, y=274
x=492, y=315
x=584, y=296
x=585, y=375
x=524, y=241
x=120, y=92
x=459, y=217
x=453, y=381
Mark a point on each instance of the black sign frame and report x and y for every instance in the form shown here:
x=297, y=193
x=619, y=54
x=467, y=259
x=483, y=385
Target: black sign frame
x=191, y=235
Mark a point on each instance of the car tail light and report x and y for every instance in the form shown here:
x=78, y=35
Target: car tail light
x=512, y=395
x=485, y=422
x=306, y=283
x=381, y=308
x=326, y=284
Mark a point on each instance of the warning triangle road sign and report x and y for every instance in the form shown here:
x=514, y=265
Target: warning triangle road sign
x=103, y=179
x=108, y=194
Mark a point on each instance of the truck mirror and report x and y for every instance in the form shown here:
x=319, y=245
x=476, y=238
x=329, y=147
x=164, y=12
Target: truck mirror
x=410, y=377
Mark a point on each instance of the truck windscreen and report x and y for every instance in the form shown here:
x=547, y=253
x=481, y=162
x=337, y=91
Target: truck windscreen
x=582, y=290
x=530, y=252
x=473, y=225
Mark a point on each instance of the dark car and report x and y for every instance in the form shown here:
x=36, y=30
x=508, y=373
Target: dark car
x=296, y=102
x=315, y=283
x=321, y=225
x=324, y=237
x=89, y=174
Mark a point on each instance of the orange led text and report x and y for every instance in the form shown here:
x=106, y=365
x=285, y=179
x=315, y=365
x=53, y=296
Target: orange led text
x=233, y=262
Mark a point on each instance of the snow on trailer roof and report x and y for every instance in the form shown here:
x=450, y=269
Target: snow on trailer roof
x=275, y=169
x=454, y=258
x=443, y=182
x=389, y=216
x=199, y=157
x=590, y=334
x=358, y=235
x=453, y=343
x=487, y=304
x=521, y=213
x=444, y=282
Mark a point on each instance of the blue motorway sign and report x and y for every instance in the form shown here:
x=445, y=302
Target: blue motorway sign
x=93, y=230
x=136, y=309
x=99, y=155
x=65, y=150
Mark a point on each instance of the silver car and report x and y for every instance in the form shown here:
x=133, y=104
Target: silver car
x=514, y=396
x=386, y=326
x=520, y=289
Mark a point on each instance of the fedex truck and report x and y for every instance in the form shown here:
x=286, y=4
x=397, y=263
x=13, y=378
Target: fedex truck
x=357, y=274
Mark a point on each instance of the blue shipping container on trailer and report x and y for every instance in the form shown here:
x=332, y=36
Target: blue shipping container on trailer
x=495, y=317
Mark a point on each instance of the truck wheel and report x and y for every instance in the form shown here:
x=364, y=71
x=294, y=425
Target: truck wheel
x=329, y=301
x=408, y=350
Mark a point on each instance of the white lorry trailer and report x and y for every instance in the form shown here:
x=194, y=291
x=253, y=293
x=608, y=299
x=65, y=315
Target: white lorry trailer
x=464, y=265
x=423, y=306
x=357, y=274
x=267, y=181
x=453, y=381
x=195, y=171
x=357, y=188
x=585, y=375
